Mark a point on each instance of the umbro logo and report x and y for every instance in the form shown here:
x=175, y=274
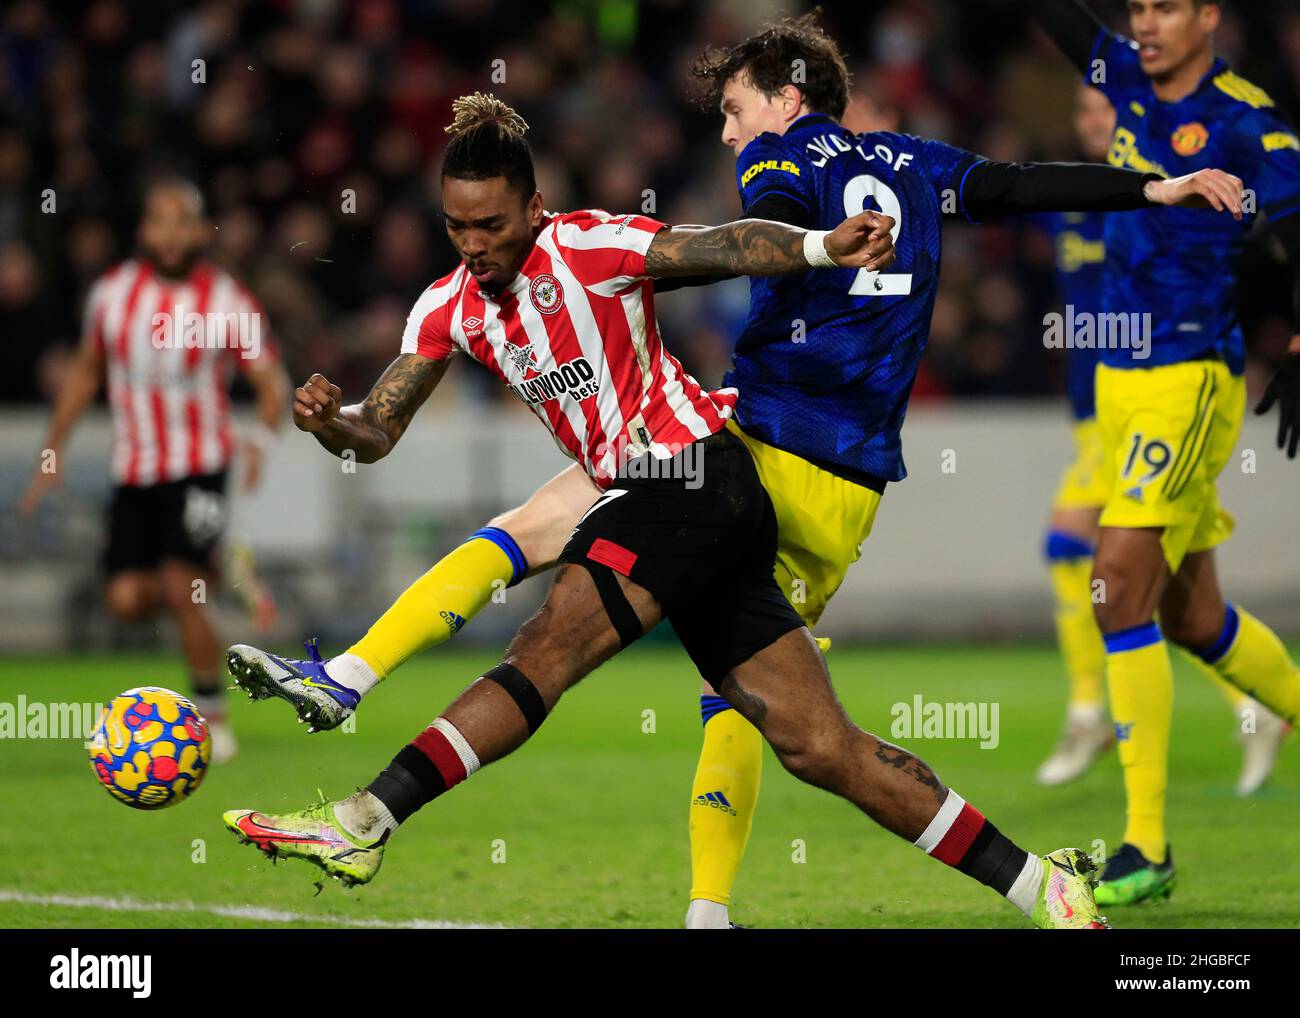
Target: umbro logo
x=714, y=800
x=472, y=326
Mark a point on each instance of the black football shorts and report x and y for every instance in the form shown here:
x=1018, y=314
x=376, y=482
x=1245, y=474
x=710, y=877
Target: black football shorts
x=176, y=520
x=698, y=532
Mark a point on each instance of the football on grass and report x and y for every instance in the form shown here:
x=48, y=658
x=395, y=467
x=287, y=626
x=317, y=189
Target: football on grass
x=150, y=748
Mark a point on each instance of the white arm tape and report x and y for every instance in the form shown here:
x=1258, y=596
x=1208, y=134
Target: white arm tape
x=814, y=249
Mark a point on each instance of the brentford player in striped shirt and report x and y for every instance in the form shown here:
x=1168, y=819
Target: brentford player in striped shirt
x=573, y=335
x=561, y=308
x=169, y=330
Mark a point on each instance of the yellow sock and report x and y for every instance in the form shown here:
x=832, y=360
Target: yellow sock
x=1235, y=697
x=1250, y=656
x=1077, y=634
x=723, y=797
x=1141, y=681
x=439, y=603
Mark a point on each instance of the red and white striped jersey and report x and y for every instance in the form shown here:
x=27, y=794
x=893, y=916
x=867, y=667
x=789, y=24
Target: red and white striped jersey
x=574, y=336
x=171, y=347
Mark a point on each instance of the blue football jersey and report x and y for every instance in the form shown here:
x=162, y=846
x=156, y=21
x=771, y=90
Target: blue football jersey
x=1179, y=265
x=826, y=360
x=1079, y=240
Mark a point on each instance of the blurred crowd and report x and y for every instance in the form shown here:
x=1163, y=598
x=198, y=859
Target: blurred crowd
x=314, y=128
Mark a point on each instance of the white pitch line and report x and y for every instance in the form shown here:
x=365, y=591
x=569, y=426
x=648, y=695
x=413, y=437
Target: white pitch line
x=251, y=913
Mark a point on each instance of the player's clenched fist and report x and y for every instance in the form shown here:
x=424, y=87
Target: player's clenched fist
x=864, y=241
x=316, y=403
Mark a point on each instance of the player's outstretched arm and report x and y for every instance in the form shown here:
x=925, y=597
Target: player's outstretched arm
x=1004, y=189
x=758, y=247
x=370, y=429
x=775, y=207
x=75, y=395
x=1072, y=26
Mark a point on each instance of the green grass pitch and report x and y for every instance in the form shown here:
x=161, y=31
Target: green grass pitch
x=586, y=826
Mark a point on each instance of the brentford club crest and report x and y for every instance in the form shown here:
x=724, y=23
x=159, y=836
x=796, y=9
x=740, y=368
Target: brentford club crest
x=547, y=294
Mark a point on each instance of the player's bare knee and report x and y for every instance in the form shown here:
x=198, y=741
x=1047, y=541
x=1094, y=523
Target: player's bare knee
x=504, y=521
x=1192, y=609
x=1130, y=576
x=1194, y=627
x=183, y=588
x=812, y=757
x=516, y=523
x=1079, y=523
x=1122, y=595
x=809, y=766
x=1109, y=571
x=119, y=600
x=539, y=644
x=541, y=526
x=568, y=637
x=126, y=599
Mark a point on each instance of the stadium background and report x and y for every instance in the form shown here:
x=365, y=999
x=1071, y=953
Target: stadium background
x=304, y=99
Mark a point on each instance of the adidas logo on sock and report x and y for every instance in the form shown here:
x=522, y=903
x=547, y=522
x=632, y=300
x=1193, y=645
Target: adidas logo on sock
x=714, y=800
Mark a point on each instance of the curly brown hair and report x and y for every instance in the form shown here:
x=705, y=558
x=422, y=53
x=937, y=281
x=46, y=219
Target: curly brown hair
x=767, y=60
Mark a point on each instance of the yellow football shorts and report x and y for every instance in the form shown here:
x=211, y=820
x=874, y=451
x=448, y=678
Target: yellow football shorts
x=1083, y=485
x=1167, y=432
x=823, y=520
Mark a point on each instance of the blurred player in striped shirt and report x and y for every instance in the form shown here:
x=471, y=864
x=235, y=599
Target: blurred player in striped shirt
x=169, y=329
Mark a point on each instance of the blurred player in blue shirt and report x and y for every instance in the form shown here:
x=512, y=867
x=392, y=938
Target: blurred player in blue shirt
x=1170, y=394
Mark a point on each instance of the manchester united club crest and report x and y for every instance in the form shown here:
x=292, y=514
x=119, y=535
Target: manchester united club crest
x=547, y=294
x=1190, y=139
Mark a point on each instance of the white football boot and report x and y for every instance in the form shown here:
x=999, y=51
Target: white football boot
x=1259, y=748
x=1087, y=735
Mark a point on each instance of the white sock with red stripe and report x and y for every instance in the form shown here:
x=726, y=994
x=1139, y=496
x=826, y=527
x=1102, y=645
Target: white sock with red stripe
x=438, y=759
x=960, y=836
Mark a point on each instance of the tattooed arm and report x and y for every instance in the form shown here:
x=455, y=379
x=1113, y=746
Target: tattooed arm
x=757, y=247
x=369, y=429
